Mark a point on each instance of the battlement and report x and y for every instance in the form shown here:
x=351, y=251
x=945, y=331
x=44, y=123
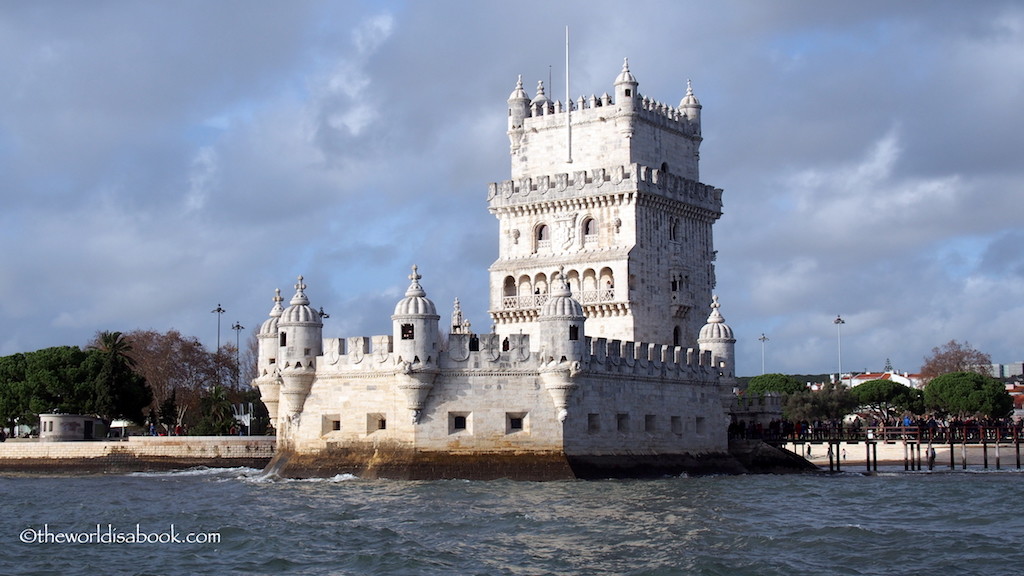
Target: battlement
x=491, y=351
x=601, y=108
x=604, y=181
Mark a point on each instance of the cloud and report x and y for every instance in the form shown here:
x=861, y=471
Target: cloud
x=155, y=162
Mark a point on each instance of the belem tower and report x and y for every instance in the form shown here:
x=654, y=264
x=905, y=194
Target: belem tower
x=602, y=361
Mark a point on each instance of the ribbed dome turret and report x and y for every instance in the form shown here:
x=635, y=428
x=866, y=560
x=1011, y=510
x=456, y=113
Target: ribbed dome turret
x=269, y=326
x=716, y=328
x=625, y=77
x=541, y=98
x=519, y=93
x=299, y=310
x=560, y=303
x=689, y=101
x=415, y=302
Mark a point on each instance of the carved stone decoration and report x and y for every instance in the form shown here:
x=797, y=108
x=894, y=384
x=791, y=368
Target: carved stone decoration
x=416, y=386
x=558, y=381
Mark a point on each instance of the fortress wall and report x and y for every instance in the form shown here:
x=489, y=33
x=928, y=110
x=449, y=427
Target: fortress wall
x=616, y=415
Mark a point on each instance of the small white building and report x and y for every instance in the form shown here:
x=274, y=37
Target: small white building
x=70, y=427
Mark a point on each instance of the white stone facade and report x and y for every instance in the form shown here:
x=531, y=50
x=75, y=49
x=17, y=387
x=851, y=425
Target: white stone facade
x=595, y=296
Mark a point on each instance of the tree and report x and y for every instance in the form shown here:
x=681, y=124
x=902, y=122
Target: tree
x=833, y=402
x=217, y=416
x=887, y=400
x=774, y=383
x=119, y=391
x=173, y=364
x=955, y=357
x=966, y=394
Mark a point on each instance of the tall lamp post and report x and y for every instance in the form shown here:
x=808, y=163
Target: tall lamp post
x=237, y=327
x=839, y=342
x=218, y=311
x=762, y=339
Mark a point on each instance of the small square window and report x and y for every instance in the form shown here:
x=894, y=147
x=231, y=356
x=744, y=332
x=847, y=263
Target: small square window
x=335, y=425
x=622, y=422
x=515, y=422
x=375, y=422
x=458, y=422
x=408, y=332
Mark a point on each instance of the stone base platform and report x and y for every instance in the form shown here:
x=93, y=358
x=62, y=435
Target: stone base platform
x=407, y=464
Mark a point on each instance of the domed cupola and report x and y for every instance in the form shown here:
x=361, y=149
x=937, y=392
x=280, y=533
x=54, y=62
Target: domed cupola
x=561, y=304
x=299, y=310
x=690, y=107
x=541, y=103
x=300, y=331
x=561, y=325
x=415, y=302
x=269, y=326
x=716, y=328
x=717, y=337
x=267, y=337
x=625, y=88
x=415, y=325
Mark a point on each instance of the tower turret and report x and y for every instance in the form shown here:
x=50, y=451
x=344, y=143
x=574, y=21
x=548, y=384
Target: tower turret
x=562, y=344
x=415, y=334
x=268, y=379
x=300, y=341
x=690, y=107
x=518, y=111
x=626, y=96
x=717, y=337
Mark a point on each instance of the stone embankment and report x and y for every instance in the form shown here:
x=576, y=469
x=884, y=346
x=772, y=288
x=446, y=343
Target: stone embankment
x=135, y=454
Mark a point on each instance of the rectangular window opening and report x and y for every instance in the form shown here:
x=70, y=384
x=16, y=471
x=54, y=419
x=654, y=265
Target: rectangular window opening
x=650, y=423
x=622, y=423
x=593, y=423
x=375, y=422
x=515, y=422
x=677, y=425
x=458, y=422
x=408, y=332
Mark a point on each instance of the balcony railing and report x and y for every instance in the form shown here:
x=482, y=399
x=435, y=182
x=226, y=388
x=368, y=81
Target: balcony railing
x=537, y=300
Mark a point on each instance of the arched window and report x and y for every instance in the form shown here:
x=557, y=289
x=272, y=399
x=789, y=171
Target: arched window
x=673, y=230
x=589, y=227
x=543, y=233
x=677, y=336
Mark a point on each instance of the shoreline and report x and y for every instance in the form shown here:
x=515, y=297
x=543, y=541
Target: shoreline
x=134, y=454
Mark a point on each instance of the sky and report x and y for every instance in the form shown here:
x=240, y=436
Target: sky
x=160, y=159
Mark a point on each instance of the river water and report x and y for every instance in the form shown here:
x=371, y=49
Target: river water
x=894, y=523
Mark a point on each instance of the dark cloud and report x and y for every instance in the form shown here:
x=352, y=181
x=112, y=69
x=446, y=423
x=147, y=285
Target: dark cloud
x=156, y=160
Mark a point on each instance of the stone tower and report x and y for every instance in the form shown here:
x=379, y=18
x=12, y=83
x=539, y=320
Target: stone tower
x=606, y=192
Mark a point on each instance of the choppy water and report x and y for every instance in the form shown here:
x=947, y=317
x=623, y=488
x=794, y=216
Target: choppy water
x=920, y=523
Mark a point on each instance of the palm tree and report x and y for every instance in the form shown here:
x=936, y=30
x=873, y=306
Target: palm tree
x=120, y=391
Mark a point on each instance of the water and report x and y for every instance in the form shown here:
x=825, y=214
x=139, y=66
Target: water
x=919, y=523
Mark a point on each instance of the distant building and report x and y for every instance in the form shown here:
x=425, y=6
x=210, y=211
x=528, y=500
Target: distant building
x=905, y=378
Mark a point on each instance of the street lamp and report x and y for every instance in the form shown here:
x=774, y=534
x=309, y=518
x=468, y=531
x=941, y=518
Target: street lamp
x=839, y=342
x=763, y=339
x=237, y=327
x=218, y=311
